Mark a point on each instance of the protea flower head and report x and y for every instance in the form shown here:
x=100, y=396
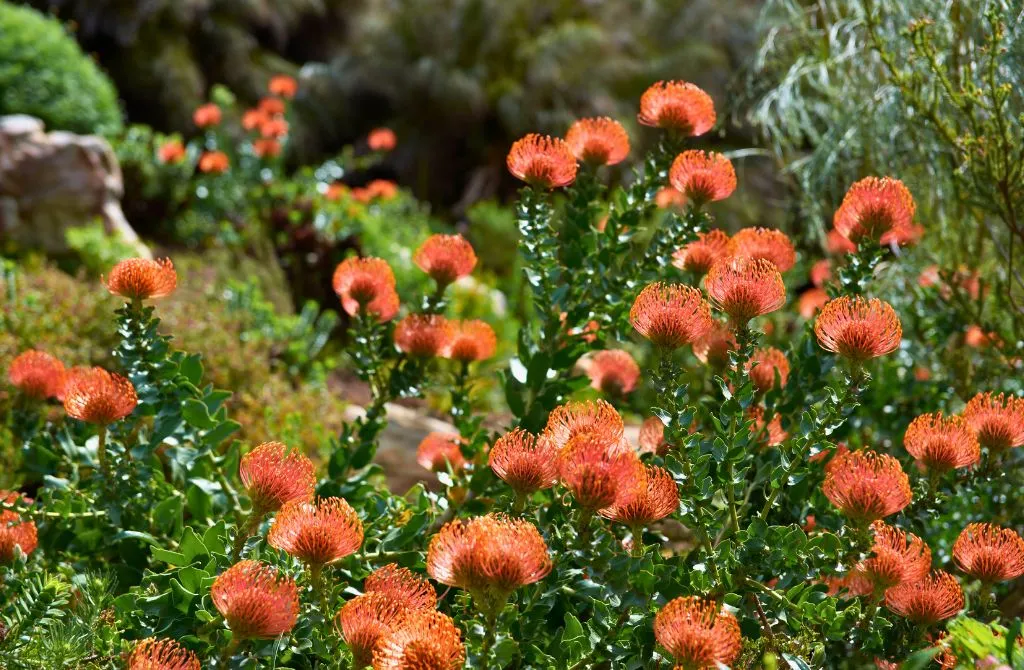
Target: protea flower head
x=811, y=301
x=989, y=553
x=366, y=284
x=274, y=475
x=403, y=585
x=266, y=148
x=595, y=471
x=896, y=557
x=857, y=328
x=14, y=531
x=866, y=486
x=998, y=420
x=472, y=340
x=421, y=640
x=762, y=367
x=702, y=176
x=382, y=139
x=612, y=371
x=206, y=115
x=698, y=633
x=877, y=209
x=600, y=141
x=652, y=437
x=767, y=243
x=438, y=452
x=942, y=442
x=542, y=161
x=364, y=621
x=163, y=654
x=445, y=258
x=317, y=533
x=488, y=556
x=745, y=288
x=771, y=432
x=838, y=245
x=256, y=600
x=714, y=347
x=927, y=601
x=648, y=497
x=283, y=85
x=423, y=335
x=698, y=256
x=821, y=272
x=574, y=418
x=37, y=374
x=679, y=106
x=666, y=198
x=524, y=462
x=142, y=278
x=171, y=151
x=670, y=315
x=99, y=397
x=270, y=107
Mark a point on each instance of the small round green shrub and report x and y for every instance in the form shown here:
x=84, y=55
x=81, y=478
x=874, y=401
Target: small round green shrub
x=44, y=73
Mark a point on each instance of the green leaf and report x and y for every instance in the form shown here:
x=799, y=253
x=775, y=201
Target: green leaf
x=197, y=414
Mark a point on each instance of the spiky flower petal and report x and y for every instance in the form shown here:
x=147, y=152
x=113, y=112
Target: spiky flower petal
x=439, y=451
x=698, y=256
x=763, y=365
x=524, y=462
x=998, y=420
x=37, y=374
x=470, y=341
x=99, y=397
x=421, y=641
x=595, y=470
x=273, y=475
x=989, y=553
x=162, y=654
x=14, y=532
x=679, y=106
x=866, y=486
x=364, y=621
x=574, y=418
x=445, y=258
x=927, y=601
x=896, y=557
x=142, y=278
x=423, y=335
x=317, y=533
x=857, y=328
x=366, y=284
x=413, y=591
x=703, y=176
x=670, y=315
x=698, y=633
x=767, y=243
x=542, y=161
x=612, y=371
x=256, y=600
x=600, y=141
x=650, y=496
x=942, y=443
x=876, y=208
x=745, y=288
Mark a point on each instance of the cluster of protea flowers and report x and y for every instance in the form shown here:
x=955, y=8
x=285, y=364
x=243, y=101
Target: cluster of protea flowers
x=15, y=531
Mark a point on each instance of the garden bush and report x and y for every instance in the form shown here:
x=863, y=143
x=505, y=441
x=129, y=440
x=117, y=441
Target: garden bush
x=825, y=475
x=44, y=73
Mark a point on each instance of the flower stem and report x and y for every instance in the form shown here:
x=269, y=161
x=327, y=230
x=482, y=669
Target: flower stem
x=229, y=651
x=245, y=531
x=316, y=581
x=101, y=452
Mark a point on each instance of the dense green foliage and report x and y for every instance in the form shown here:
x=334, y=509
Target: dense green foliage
x=44, y=73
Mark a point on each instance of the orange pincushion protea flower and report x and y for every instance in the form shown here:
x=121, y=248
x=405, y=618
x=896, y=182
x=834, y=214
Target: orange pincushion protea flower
x=99, y=397
x=524, y=462
x=471, y=341
x=811, y=301
x=317, y=533
x=858, y=329
x=839, y=245
x=989, y=553
x=652, y=437
x=256, y=600
x=745, y=288
x=253, y=118
x=878, y=209
x=274, y=475
x=866, y=486
x=670, y=315
x=214, y=162
x=266, y=148
x=163, y=654
x=666, y=197
x=364, y=621
x=577, y=418
x=421, y=641
x=402, y=585
x=714, y=347
x=440, y=451
x=762, y=366
x=171, y=151
x=445, y=258
x=998, y=420
x=15, y=532
x=600, y=140
x=283, y=85
x=771, y=245
x=270, y=107
x=698, y=256
x=821, y=272
x=489, y=556
x=542, y=161
x=942, y=443
x=927, y=601
x=702, y=176
x=698, y=633
x=596, y=471
x=142, y=278
x=612, y=371
x=896, y=557
x=366, y=284
x=37, y=374
x=423, y=335
x=273, y=127
x=771, y=433
x=679, y=106
x=382, y=139
x=206, y=115
x=650, y=496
